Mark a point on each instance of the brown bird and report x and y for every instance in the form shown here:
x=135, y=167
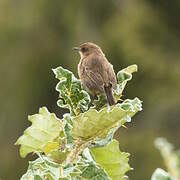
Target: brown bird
x=95, y=72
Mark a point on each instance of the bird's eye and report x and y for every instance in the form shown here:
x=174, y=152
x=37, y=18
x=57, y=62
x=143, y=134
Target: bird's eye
x=84, y=49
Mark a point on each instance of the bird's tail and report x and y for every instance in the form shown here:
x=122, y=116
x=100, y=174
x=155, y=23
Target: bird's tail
x=109, y=94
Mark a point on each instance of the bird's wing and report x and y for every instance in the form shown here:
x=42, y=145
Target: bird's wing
x=94, y=80
x=99, y=73
x=105, y=71
x=91, y=74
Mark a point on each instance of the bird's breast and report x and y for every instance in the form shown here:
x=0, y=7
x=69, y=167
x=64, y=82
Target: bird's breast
x=81, y=69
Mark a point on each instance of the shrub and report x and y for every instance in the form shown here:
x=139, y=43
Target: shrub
x=81, y=145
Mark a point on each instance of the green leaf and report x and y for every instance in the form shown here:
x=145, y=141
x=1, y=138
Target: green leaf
x=45, y=128
x=89, y=169
x=160, y=174
x=170, y=156
x=93, y=124
x=92, y=172
x=123, y=77
x=41, y=169
x=71, y=93
x=67, y=119
x=112, y=160
x=99, y=142
x=53, y=151
x=100, y=102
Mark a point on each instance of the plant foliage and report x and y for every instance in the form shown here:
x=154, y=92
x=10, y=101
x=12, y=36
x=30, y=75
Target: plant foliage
x=112, y=159
x=160, y=174
x=171, y=159
x=44, y=130
x=80, y=146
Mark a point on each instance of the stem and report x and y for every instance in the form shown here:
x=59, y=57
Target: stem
x=61, y=170
x=78, y=148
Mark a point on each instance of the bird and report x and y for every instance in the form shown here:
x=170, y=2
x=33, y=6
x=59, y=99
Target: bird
x=96, y=73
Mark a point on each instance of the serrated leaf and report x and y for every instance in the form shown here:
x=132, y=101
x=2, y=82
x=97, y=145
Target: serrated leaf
x=123, y=77
x=100, y=102
x=160, y=174
x=98, y=142
x=42, y=169
x=93, y=124
x=89, y=169
x=92, y=172
x=112, y=160
x=45, y=128
x=71, y=94
x=67, y=119
x=53, y=151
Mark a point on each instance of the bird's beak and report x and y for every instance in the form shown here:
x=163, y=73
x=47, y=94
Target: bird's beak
x=76, y=48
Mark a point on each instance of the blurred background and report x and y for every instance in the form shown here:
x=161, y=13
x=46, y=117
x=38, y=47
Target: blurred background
x=36, y=36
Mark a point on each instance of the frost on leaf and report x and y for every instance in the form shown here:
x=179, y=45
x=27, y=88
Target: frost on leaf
x=93, y=124
x=71, y=94
x=123, y=77
x=81, y=145
x=41, y=169
x=160, y=174
x=170, y=156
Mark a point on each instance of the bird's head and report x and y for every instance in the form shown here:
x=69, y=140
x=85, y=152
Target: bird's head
x=87, y=49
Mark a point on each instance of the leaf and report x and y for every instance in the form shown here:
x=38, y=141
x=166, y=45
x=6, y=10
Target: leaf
x=53, y=151
x=92, y=172
x=58, y=156
x=88, y=168
x=112, y=160
x=93, y=124
x=126, y=74
x=160, y=174
x=67, y=119
x=99, y=142
x=170, y=156
x=71, y=94
x=123, y=77
x=45, y=128
x=100, y=102
x=41, y=169
x=50, y=146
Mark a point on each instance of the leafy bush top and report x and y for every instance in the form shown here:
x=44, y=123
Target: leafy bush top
x=81, y=145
